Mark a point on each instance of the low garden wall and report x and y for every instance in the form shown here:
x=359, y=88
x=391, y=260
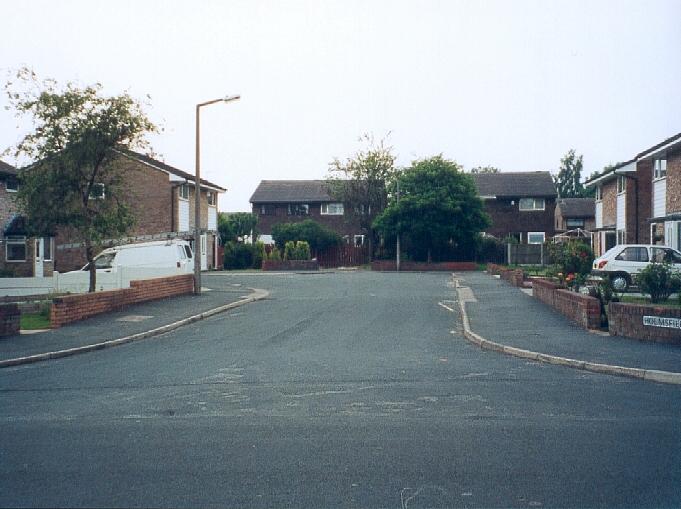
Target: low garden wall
x=290, y=265
x=9, y=319
x=582, y=309
x=514, y=276
x=71, y=308
x=645, y=322
x=391, y=266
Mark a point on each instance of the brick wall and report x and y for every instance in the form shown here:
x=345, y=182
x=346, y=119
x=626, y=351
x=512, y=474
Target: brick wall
x=72, y=308
x=290, y=265
x=9, y=319
x=516, y=277
x=609, y=199
x=627, y=320
x=389, y=266
x=582, y=309
x=343, y=225
x=507, y=218
x=674, y=182
x=643, y=201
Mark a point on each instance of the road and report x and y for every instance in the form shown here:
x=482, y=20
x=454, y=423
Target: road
x=340, y=390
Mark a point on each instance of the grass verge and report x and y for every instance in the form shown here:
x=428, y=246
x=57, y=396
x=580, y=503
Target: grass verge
x=33, y=321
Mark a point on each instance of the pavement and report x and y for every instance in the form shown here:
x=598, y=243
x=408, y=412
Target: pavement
x=504, y=315
x=131, y=323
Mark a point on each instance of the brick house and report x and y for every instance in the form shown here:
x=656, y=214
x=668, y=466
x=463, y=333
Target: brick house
x=573, y=213
x=520, y=204
x=20, y=255
x=290, y=201
x=162, y=199
x=639, y=201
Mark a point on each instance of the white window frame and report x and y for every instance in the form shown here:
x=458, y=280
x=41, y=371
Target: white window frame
x=101, y=186
x=621, y=184
x=332, y=209
x=12, y=189
x=534, y=204
x=48, y=244
x=360, y=238
x=580, y=219
x=599, y=193
x=543, y=237
x=15, y=241
x=659, y=169
x=180, y=192
x=212, y=198
x=621, y=237
x=298, y=206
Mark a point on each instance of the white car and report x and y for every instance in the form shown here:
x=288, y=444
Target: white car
x=622, y=263
x=171, y=254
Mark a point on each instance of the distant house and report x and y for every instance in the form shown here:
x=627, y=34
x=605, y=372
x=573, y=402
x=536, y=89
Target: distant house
x=162, y=199
x=20, y=255
x=290, y=201
x=521, y=204
x=573, y=213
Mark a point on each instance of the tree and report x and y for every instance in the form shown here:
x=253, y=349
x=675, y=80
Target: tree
x=361, y=183
x=438, y=209
x=236, y=225
x=485, y=169
x=568, y=181
x=316, y=235
x=73, y=181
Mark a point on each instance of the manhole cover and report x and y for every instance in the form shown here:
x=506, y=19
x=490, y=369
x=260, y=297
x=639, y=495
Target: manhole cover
x=133, y=318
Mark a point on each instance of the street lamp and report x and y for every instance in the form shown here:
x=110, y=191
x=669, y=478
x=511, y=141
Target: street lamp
x=197, y=194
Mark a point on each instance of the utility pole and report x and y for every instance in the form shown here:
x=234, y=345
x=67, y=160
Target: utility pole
x=397, y=259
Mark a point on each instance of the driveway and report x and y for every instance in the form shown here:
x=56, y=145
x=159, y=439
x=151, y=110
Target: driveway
x=340, y=390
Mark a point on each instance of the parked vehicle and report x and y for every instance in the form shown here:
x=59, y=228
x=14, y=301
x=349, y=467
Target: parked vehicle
x=175, y=254
x=622, y=263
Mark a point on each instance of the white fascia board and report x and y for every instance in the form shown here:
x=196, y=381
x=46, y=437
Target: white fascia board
x=659, y=151
x=488, y=197
x=629, y=168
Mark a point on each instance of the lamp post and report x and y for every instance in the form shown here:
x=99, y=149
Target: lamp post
x=197, y=193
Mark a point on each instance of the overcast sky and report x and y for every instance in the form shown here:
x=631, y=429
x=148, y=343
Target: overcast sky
x=513, y=84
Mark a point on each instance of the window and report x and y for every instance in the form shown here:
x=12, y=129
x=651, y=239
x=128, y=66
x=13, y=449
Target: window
x=362, y=209
x=97, y=191
x=184, y=192
x=359, y=240
x=298, y=209
x=621, y=237
x=633, y=254
x=47, y=248
x=332, y=209
x=574, y=223
x=661, y=255
x=12, y=185
x=621, y=184
x=532, y=204
x=212, y=197
x=610, y=240
x=15, y=249
x=599, y=193
x=536, y=237
x=267, y=210
x=188, y=250
x=659, y=169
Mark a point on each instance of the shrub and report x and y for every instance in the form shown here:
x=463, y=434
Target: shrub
x=317, y=236
x=572, y=257
x=274, y=255
x=238, y=256
x=259, y=254
x=289, y=250
x=302, y=251
x=659, y=281
x=490, y=249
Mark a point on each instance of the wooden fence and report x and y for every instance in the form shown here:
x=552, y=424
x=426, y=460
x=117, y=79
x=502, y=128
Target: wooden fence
x=344, y=255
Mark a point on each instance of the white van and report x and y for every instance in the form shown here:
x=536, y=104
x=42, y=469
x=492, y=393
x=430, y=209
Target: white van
x=171, y=254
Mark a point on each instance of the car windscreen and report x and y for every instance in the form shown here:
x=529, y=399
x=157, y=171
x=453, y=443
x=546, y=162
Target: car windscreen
x=104, y=260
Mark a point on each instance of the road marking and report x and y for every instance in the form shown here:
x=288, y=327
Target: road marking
x=446, y=306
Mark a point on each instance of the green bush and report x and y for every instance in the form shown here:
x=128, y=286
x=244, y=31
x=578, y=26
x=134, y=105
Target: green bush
x=289, y=250
x=659, y=281
x=302, y=251
x=571, y=258
x=259, y=254
x=317, y=236
x=238, y=256
x=274, y=255
x=489, y=249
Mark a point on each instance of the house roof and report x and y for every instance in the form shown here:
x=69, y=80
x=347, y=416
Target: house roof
x=160, y=165
x=7, y=169
x=526, y=183
x=668, y=141
x=291, y=191
x=577, y=207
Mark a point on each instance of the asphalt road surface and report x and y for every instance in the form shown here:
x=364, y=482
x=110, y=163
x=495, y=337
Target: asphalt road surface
x=340, y=390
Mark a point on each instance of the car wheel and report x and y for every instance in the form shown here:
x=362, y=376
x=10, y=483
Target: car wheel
x=620, y=282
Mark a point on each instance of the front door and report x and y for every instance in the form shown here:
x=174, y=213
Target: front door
x=38, y=258
x=204, y=252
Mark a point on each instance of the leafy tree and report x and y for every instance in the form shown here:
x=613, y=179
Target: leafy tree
x=361, y=183
x=236, y=225
x=74, y=181
x=438, y=209
x=316, y=235
x=485, y=169
x=568, y=181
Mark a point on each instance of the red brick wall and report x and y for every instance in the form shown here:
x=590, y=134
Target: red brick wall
x=507, y=218
x=627, y=320
x=644, y=201
x=674, y=182
x=343, y=225
x=389, y=265
x=9, y=319
x=72, y=308
x=582, y=309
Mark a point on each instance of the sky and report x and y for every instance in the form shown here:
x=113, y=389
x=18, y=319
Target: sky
x=512, y=84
